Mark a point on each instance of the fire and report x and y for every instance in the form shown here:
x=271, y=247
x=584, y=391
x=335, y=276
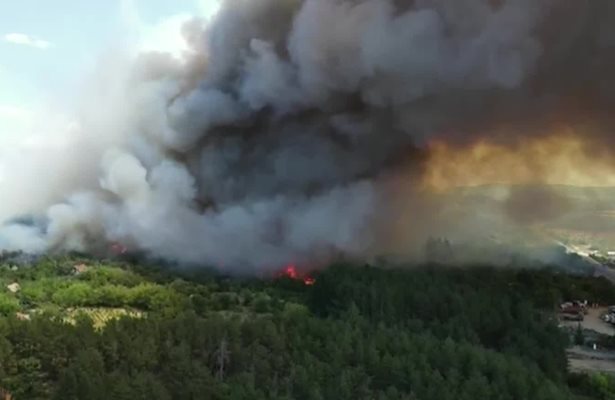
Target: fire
x=290, y=271
x=559, y=159
x=309, y=281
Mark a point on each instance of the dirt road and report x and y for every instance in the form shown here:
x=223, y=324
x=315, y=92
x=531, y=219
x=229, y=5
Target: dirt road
x=593, y=322
x=585, y=360
x=582, y=359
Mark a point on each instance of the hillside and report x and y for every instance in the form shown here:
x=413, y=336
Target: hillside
x=80, y=329
x=543, y=213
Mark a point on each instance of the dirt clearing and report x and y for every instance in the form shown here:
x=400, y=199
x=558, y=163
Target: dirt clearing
x=593, y=322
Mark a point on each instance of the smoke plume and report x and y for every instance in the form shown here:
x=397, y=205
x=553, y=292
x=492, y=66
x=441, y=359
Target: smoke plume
x=302, y=130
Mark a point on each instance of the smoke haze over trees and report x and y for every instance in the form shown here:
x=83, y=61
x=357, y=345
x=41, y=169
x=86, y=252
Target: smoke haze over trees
x=295, y=131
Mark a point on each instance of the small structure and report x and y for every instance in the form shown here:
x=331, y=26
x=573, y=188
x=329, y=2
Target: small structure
x=574, y=306
x=573, y=310
x=22, y=316
x=572, y=316
x=609, y=316
x=13, y=287
x=5, y=394
x=80, y=269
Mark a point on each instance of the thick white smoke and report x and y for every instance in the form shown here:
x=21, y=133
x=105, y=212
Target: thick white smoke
x=269, y=140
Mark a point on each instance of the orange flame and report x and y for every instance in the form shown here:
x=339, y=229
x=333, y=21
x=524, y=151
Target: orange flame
x=290, y=271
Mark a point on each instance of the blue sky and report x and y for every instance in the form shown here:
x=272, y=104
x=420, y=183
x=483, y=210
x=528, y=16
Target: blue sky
x=46, y=47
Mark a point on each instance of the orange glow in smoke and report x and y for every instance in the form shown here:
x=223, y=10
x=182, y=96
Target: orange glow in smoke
x=558, y=159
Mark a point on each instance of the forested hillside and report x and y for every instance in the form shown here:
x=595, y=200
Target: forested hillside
x=79, y=329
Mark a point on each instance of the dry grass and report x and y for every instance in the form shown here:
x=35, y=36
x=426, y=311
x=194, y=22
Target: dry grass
x=100, y=316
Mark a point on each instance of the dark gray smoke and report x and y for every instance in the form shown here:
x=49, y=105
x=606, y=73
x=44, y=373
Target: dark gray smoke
x=285, y=131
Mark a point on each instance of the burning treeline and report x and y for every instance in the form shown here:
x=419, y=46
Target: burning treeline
x=295, y=131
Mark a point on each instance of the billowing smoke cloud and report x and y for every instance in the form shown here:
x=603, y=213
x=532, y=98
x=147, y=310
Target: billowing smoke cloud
x=299, y=130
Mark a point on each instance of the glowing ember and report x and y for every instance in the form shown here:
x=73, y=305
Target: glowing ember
x=309, y=281
x=290, y=271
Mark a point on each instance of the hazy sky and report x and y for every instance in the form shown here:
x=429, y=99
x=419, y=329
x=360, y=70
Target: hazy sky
x=46, y=47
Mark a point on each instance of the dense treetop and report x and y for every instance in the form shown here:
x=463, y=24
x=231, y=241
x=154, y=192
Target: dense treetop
x=110, y=330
